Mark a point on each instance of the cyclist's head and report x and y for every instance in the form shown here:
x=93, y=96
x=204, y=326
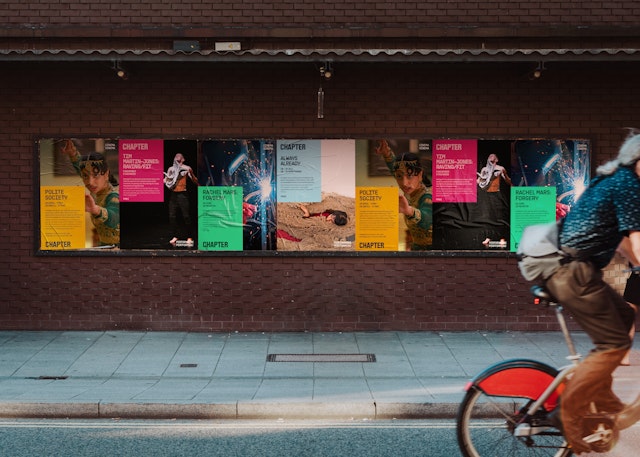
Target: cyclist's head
x=630, y=150
x=628, y=155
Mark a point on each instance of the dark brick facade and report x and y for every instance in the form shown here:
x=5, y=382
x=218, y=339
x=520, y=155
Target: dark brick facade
x=183, y=99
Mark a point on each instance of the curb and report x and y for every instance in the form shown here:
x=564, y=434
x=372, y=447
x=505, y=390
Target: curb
x=233, y=411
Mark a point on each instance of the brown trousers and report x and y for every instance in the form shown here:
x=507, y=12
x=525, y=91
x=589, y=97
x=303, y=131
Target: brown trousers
x=601, y=312
x=607, y=318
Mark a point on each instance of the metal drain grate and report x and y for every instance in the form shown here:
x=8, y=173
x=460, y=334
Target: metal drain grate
x=50, y=378
x=362, y=358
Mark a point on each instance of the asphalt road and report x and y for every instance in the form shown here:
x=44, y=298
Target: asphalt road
x=32, y=438
x=277, y=438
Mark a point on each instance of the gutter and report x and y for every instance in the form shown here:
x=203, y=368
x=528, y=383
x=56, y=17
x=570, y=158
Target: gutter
x=332, y=55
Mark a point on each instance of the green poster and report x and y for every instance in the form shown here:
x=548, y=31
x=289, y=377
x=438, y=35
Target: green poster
x=530, y=206
x=220, y=218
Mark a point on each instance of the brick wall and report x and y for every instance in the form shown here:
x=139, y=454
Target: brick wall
x=284, y=292
x=119, y=15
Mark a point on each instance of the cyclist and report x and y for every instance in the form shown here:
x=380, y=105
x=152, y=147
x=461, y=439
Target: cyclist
x=606, y=212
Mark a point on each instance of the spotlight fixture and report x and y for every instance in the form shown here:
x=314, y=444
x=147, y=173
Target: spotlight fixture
x=326, y=71
x=120, y=71
x=537, y=72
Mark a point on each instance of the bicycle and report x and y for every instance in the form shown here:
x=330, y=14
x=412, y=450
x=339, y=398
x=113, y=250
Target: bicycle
x=507, y=409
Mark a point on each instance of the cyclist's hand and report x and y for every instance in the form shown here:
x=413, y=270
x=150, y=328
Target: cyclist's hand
x=561, y=210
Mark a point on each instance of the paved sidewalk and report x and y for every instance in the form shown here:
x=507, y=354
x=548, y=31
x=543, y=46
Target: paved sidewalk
x=216, y=375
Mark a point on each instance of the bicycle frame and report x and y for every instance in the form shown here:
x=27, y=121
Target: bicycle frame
x=624, y=419
x=531, y=418
x=544, y=383
x=555, y=388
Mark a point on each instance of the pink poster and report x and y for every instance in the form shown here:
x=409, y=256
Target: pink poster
x=454, y=171
x=141, y=170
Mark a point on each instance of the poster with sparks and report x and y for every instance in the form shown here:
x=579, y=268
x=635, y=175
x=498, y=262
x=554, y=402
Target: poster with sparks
x=563, y=164
x=529, y=206
x=249, y=165
x=220, y=218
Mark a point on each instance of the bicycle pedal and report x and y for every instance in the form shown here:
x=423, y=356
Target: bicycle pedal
x=600, y=432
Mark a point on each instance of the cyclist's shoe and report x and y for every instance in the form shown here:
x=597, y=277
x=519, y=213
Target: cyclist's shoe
x=591, y=380
x=579, y=446
x=573, y=429
x=600, y=428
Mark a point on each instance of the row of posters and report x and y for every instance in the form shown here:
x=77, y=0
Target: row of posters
x=303, y=195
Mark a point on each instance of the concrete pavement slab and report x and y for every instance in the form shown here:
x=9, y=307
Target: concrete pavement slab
x=218, y=375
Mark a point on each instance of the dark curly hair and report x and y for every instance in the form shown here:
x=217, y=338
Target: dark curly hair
x=339, y=217
x=98, y=165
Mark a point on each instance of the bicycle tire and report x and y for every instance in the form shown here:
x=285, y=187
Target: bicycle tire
x=486, y=421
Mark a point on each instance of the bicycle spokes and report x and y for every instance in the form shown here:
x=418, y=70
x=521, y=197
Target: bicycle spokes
x=490, y=426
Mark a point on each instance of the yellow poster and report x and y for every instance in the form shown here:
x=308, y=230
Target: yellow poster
x=62, y=219
x=376, y=219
